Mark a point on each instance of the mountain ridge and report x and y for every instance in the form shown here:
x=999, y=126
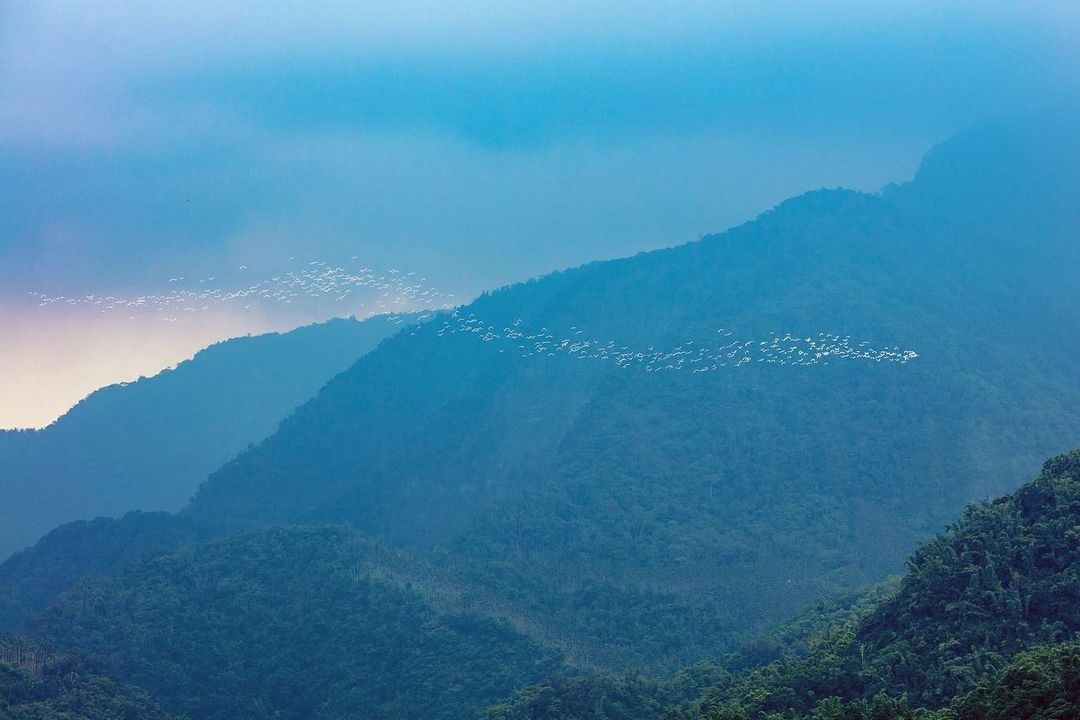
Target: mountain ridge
x=626, y=499
x=745, y=476
x=145, y=445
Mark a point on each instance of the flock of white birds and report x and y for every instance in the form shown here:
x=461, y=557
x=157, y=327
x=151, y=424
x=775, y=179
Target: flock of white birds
x=390, y=291
x=394, y=291
x=698, y=357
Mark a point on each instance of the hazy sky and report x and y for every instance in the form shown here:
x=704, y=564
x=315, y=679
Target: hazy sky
x=474, y=142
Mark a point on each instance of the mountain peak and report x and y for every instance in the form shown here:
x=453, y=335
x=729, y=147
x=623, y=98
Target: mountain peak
x=999, y=174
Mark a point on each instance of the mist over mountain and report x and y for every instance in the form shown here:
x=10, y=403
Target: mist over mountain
x=147, y=444
x=597, y=493
x=736, y=495
x=712, y=361
x=1004, y=198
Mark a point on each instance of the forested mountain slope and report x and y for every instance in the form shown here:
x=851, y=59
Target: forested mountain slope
x=985, y=624
x=655, y=513
x=1004, y=579
x=324, y=622
x=298, y=623
x=33, y=578
x=36, y=684
x=146, y=445
x=526, y=505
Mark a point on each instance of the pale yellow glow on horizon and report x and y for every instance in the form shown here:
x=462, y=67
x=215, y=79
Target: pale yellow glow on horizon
x=49, y=361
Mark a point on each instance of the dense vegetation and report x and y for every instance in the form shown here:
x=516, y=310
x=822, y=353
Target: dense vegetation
x=656, y=518
x=38, y=685
x=460, y=523
x=317, y=623
x=984, y=625
x=146, y=445
x=1005, y=578
x=631, y=696
x=84, y=549
x=1041, y=684
x=296, y=623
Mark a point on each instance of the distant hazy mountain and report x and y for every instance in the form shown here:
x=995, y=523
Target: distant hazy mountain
x=655, y=513
x=521, y=505
x=1004, y=198
x=147, y=444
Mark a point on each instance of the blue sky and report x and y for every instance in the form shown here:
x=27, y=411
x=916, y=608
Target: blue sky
x=475, y=142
